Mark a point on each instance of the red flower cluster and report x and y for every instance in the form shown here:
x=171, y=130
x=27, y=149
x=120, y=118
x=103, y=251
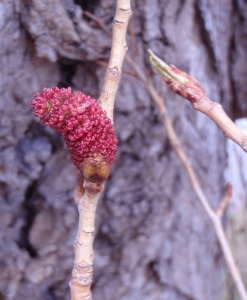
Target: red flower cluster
x=86, y=129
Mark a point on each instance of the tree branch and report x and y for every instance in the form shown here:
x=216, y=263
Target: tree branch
x=225, y=200
x=95, y=170
x=82, y=273
x=118, y=51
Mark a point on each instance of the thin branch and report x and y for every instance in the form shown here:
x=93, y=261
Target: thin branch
x=225, y=200
x=118, y=51
x=82, y=273
x=95, y=170
x=99, y=22
x=133, y=39
x=176, y=144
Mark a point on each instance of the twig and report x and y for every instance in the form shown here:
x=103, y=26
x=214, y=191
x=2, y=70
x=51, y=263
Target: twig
x=189, y=88
x=99, y=22
x=225, y=200
x=95, y=171
x=82, y=273
x=118, y=51
x=176, y=144
x=133, y=39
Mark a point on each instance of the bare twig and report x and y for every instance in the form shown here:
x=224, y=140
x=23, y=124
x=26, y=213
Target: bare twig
x=82, y=273
x=95, y=171
x=118, y=51
x=133, y=39
x=99, y=22
x=176, y=144
x=225, y=200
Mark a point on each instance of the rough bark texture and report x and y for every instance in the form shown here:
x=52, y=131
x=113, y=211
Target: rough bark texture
x=153, y=239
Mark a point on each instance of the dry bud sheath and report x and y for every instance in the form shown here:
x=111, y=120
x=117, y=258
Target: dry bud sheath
x=189, y=88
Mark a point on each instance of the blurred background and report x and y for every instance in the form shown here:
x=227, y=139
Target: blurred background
x=153, y=240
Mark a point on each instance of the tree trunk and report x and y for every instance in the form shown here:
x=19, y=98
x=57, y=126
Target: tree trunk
x=153, y=238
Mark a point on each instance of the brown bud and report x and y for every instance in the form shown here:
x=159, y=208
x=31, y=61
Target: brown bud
x=95, y=169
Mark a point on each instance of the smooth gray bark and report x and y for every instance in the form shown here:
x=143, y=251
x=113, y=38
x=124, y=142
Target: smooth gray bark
x=153, y=238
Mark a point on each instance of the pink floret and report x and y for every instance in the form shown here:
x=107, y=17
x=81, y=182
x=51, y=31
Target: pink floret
x=83, y=124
